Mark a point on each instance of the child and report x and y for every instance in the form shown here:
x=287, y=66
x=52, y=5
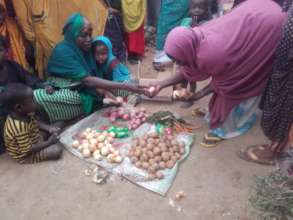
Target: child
x=22, y=136
x=200, y=12
x=110, y=68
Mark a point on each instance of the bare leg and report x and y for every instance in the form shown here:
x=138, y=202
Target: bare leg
x=54, y=152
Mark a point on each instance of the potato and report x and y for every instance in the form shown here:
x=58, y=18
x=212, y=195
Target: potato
x=142, y=143
x=137, y=152
x=149, y=146
x=150, y=154
x=170, y=164
x=157, y=151
x=92, y=148
x=164, y=148
x=156, y=166
x=144, y=150
x=152, y=161
x=158, y=159
x=153, y=135
x=134, y=160
x=75, y=144
x=177, y=155
x=151, y=169
x=176, y=148
x=138, y=164
x=162, y=165
x=174, y=157
x=174, y=142
x=145, y=165
x=165, y=156
x=151, y=176
x=151, y=141
x=181, y=144
x=144, y=157
x=182, y=151
x=159, y=175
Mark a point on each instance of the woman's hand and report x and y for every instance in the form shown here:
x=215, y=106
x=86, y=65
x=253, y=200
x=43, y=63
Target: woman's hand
x=152, y=90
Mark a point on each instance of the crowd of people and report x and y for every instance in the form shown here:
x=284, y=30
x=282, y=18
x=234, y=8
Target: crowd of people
x=48, y=79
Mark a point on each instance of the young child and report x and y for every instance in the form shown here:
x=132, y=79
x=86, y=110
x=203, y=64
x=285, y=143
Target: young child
x=22, y=135
x=110, y=68
x=200, y=12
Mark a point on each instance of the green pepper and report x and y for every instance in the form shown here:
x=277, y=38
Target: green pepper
x=122, y=129
x=121, y=134
x=112, y=129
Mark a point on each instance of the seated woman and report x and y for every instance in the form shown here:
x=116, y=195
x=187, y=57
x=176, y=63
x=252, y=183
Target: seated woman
x=236, y=60
x=110, y=68
x=75, y=75
x=11, y=72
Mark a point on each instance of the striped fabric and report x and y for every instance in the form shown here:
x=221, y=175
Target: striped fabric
x=63, y=104
x=19, y=136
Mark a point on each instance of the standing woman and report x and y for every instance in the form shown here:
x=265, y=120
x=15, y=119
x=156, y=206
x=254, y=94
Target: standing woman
x=277, y=101
x=133, y=14
x=236, y=60
x=74, y=74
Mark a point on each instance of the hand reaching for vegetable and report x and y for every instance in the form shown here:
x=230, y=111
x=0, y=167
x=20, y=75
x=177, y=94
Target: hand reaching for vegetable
x=183, y=95
x=153, y=90
x=135, y=88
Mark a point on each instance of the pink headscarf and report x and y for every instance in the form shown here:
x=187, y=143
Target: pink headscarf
x=235, y=50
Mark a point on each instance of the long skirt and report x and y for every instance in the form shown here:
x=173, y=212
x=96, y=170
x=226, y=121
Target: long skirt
x=277, y=100
x=135, y=41
x=240, y=119
x=62, y=105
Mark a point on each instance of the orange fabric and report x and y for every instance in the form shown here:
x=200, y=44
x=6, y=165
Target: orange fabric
x=42, y=22
x=10, y=30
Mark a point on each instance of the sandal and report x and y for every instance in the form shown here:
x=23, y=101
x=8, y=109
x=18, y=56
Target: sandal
x=248, y=154
x=210, y=140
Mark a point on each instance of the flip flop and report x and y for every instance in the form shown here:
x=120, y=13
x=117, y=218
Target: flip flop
x=210, y=141
x=248, y=155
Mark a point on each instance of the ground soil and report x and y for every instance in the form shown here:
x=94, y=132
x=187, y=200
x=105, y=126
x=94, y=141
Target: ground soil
x=217, y=184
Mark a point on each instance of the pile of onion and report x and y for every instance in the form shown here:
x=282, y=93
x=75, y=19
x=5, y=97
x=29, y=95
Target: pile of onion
x=153, y=153
x=97, y=145
x=134, y=117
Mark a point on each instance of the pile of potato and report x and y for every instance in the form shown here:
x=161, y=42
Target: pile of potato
x=153, y=153
x=98, y=145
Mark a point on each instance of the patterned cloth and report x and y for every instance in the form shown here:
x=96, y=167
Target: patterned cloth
x=240, y=119
x=62, y=105
x=277, y=100
x=19, y=136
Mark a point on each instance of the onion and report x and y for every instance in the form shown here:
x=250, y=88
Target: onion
x=75, y=144
x=86, y=153
x=118, y=159
x=105, y=151
x=97, y=155
x=152, y=89
x=92, y=147
x=125, y=116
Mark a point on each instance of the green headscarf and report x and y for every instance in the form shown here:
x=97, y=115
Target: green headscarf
x=70, y=62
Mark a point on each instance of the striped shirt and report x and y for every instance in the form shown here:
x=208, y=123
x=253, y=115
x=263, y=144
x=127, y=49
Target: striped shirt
x=19, y=136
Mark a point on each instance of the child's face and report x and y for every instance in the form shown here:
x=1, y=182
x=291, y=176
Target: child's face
x=28, y=106
x=198, y=8
x=101, y=54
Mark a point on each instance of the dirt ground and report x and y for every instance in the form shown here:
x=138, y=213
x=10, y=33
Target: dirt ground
x=216, y=182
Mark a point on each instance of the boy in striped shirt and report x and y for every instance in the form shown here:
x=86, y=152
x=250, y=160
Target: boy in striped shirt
x=22, y=136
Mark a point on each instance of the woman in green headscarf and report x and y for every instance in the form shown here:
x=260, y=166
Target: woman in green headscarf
x=75, y=75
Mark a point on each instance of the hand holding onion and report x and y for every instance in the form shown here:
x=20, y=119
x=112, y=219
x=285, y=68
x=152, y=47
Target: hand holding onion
x=152, y=90
x=183, y=95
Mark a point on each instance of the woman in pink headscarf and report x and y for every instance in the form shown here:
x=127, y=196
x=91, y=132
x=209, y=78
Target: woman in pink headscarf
x=235, y=52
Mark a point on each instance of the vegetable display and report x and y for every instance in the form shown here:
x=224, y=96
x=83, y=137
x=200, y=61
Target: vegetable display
x=98, y=145
x=154, y=153
x=167, y=119
x=134, y=117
